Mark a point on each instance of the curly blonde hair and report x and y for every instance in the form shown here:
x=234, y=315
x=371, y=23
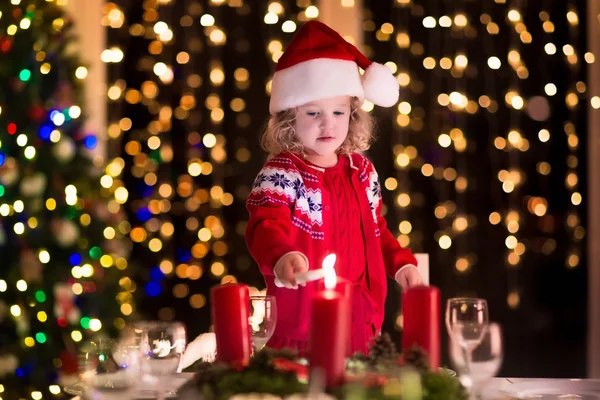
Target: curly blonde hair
x=280, y=135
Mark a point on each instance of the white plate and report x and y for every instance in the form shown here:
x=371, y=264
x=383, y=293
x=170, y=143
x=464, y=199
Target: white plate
x=172, y=382
x=549, y=389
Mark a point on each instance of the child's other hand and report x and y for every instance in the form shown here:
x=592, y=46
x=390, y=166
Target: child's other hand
x=409, y=277
x=287, y=266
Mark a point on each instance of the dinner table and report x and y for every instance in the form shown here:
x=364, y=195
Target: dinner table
x=499, y=388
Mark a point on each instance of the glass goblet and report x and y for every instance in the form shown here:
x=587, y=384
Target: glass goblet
x=486, y=358
x=161, y=346
x=466, y=322
x=262, y=320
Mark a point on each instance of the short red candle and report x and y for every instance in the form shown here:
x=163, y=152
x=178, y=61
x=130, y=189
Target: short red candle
x=230, y=312
x=421, y=311
x=329, y=329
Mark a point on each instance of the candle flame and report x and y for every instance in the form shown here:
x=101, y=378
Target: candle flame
x=330, y=276
x=329, y=261
x=330, y=279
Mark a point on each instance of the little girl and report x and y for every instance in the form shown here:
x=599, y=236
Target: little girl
x=316, y=194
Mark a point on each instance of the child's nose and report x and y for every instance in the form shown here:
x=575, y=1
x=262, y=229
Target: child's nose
x=326, y=122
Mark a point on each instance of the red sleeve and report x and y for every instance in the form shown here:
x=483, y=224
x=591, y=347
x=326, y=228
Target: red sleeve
x=394, y=255
x=270, y=233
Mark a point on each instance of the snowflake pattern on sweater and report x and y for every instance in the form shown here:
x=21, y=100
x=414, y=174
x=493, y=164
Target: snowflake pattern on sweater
x=273, y=183
x=280, y=182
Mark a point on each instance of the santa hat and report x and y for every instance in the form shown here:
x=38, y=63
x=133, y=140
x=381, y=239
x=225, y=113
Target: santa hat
x=319, y=63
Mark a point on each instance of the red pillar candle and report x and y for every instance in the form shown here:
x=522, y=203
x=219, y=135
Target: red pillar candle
x=344, y=287
x=421, y=311
x=230, y=312
x=329, y=329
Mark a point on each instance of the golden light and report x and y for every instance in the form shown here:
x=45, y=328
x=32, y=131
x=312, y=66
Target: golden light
x=312, y=12
x=445, y=242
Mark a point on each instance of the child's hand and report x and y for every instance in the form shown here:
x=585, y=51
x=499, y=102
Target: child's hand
x=287, y=266
x=409, y=277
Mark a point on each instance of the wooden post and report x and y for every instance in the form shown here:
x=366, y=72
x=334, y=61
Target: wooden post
x=593, y=201
x=345, y=17
x=91, y=35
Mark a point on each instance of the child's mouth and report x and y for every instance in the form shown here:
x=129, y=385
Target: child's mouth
x=326, y=138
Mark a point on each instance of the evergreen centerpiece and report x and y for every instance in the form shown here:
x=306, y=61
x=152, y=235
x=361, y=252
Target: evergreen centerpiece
x=381, y=374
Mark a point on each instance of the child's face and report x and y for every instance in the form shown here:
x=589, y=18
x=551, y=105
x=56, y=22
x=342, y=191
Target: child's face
x=322, y=125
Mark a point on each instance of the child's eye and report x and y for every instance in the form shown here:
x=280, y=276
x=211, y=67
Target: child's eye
x=338, y=113
x=312, y=113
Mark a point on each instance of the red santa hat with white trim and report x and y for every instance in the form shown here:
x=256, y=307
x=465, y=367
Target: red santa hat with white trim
x=319, y=63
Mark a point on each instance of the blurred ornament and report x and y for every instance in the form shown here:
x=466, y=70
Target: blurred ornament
x=34, y=185
x=9, y=173
x=63, y=96
x=64, y=150
x=16, y=85
x=31, y=267
x=2, y=234
x=101, y=211
x=69, y=363
x=72, y=49
x=22, y=323
x=538, y=108
x=37, y=112
x=65, y=231
x=121, y=248
x=5, y=44
x=8, y=364
x=64, y=303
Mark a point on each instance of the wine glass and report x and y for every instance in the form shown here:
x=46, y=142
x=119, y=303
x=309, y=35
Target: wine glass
x=262, y=320
x=466, y=322
x=161, y=346
x=107, y=366
x=486, y=358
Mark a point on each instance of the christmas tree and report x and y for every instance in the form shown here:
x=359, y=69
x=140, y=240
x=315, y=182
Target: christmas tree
x=63, y=268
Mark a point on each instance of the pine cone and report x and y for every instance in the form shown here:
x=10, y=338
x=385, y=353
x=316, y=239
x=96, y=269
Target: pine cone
x=382, y=349
x=417, y=357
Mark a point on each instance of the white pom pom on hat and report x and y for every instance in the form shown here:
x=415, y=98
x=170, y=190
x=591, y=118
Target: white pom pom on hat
x=319, y=63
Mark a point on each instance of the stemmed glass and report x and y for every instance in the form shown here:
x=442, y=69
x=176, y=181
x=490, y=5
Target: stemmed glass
x=486, y=358
x=466, y=322
x=161, y=346
x=262, y=320
x=107, y=366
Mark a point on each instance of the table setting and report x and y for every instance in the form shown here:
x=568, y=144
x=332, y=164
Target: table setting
x=152, y=360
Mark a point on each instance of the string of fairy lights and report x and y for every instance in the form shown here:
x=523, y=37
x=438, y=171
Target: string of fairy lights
x=185, y=154
x=577, y=89
x=203, y=185
x=529, y=120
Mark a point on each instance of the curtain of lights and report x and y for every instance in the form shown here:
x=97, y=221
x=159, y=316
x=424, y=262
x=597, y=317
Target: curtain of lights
x=489, y=153
x=188, y=92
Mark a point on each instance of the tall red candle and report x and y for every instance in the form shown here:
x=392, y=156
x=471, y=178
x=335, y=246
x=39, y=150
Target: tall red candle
x=344, y=287
x=421, y=311
x=329, y=335
x=230, y=312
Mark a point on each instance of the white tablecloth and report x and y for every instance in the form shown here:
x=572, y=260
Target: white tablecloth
x=497, y=389
x=543, y=388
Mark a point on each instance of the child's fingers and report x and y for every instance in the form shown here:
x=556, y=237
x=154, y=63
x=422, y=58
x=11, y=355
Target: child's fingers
x=299, y=265
x=414, y=280
x=289, y=280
